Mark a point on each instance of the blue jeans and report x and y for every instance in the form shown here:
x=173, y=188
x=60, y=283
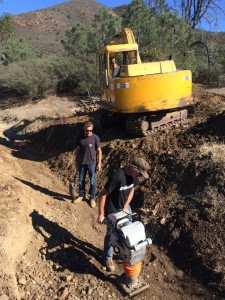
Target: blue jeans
x=108, y=248
x=91, y=170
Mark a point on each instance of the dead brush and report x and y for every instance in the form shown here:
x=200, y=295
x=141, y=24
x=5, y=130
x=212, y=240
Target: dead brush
x=215, y=150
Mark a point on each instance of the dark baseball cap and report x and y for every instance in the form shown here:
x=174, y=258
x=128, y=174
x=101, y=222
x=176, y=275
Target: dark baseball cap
x=142, y=165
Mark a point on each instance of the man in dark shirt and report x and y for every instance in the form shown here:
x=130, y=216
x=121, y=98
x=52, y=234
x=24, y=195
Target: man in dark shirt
x=116, y=196
x=89, y=159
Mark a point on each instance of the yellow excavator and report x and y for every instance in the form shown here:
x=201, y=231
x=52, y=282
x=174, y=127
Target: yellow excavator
x=148, y=96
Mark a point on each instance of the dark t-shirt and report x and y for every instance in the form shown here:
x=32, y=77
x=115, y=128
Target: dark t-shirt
x=88, y=146
x=118, y=187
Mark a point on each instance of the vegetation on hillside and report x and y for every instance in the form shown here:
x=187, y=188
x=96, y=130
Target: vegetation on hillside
x=7, y=29
x=162, y=33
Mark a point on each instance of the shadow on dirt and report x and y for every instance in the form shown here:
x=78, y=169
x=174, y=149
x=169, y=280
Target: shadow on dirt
x=47, y=143
x=51, y=141
x=57, y=196
x=214, y=126
x=44, y=138
x=5, y=142
x=13, y=132
x=10, y=98
x=66, y=250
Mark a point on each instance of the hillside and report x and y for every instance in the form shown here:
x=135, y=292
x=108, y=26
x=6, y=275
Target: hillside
x=46, y=27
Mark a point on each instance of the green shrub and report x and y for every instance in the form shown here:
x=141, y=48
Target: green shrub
x=75, y=75
x=37, y=78
x=31, y=77
x=206, y=76
x=7, y=27
x=17, y=50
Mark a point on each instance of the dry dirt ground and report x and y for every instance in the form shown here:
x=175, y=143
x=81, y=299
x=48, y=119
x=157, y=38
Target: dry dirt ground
x=51, y=248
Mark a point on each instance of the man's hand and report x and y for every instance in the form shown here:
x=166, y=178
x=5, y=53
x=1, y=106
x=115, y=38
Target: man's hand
x=99, y=159
x=99, y=167
x=100, y=219
x=101, y=205
x=125, y=209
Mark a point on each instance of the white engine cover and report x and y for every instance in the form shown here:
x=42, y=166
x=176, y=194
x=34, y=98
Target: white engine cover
x=134, y=233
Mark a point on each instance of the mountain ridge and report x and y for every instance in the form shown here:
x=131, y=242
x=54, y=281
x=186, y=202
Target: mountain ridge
x=45, y=28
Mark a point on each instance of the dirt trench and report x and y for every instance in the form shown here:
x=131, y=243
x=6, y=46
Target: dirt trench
x=52, y=248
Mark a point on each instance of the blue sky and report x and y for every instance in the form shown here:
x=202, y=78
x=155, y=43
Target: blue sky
x=22, y=6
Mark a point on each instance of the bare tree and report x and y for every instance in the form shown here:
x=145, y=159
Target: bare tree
x=196, y=11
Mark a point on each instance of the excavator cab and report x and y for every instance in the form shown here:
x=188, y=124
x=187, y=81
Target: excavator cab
x=110, y=60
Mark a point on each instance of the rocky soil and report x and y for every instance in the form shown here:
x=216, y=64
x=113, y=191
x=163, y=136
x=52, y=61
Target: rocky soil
x=52, y=249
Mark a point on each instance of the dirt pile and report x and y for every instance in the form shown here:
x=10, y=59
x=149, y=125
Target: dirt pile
x=57, y=245
x=185, y=194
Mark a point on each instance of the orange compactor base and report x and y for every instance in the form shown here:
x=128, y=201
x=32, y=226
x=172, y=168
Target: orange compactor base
x=129, y=241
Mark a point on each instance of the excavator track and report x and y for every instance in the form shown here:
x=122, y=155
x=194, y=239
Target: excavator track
x=103, y=119
x=144, y=125
x=137, y=127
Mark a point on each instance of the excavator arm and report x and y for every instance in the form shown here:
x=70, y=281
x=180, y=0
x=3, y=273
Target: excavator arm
x=126, y=36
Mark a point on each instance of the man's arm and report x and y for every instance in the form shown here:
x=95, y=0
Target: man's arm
x=127, y=203
x=101, y=205
x=99, y=158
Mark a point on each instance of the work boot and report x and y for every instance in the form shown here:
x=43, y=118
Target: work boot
x=110, y=266
x=79, y=199
x=93, y=203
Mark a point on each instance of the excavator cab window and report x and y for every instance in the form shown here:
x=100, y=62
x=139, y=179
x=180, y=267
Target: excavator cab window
x=126, y=58
x=110, y=65
x=130, y=57
x=119, y=59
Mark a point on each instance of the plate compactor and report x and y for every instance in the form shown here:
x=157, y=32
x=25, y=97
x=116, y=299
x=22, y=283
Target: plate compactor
x=129, y=241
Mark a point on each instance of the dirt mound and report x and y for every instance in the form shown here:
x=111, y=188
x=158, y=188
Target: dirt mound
x=57, y=246
x=183, y=197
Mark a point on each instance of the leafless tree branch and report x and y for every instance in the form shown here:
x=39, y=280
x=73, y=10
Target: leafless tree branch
x=194, y=11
